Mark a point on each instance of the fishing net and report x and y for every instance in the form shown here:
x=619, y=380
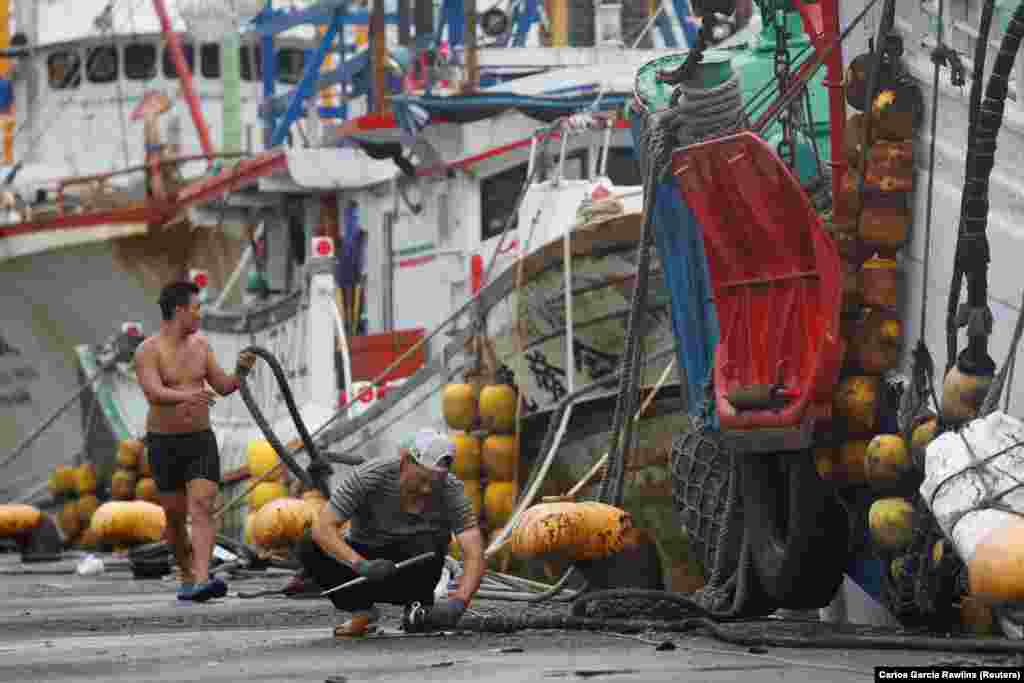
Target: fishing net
x=915, y=590
x=702, y=481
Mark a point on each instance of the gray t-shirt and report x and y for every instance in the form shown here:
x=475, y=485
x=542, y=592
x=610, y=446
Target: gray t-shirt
x=369, y=497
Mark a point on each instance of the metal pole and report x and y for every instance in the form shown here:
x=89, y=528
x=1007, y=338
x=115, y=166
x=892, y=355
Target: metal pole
x=403, y=23
x=185, y=75
x=472, y=55
x=379, y=55
x=362, y=579
x=570, y=343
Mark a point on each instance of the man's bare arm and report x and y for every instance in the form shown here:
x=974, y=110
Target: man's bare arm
x=223, y=383
x=472, y=544
x=149, y=379
x=328, y=534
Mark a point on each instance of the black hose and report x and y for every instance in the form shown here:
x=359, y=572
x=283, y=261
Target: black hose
x=974, y=256
x=893, y=641
x=319, y=472
x=980, y=52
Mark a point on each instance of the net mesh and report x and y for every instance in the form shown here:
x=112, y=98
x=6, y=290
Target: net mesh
x=701, y=473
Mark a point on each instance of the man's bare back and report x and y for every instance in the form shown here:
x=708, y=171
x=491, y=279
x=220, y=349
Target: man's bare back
x=181, y=365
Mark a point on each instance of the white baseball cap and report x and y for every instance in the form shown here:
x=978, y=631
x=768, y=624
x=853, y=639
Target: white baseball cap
x=430, y=448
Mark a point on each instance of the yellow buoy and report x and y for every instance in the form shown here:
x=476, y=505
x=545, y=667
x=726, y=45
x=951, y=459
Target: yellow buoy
x=67, y=519
x=498, y=408
x=85, y=478
x=128, y=453
x=459, y=405
x=146, y=490
x=145, y=467
x=996, y=570
x=261, y=457
x=856, y=403
x=474, y=491
x=499, y=502
x=501, y=457
x=17, y=519
x=888, y=460
x=65, y=480
x=892, y=523
x=87, y=506
x=281, y=522
x=122, y=485
x=576, y=531
x=264, y=492
x=923, y=435
x=125, y=522
x=962, y=394
x=467, y=456
x=844, y=463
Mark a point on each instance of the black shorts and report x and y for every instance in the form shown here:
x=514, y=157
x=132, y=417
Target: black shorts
x=177, y=459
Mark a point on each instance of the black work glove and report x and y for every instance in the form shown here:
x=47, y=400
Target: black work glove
x=447, y=612
x=375, y=570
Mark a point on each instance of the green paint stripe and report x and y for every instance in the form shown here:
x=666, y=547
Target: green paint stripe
x=415, y=249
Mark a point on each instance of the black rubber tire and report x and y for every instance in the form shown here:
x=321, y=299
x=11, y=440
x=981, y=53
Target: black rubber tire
x=799, y=530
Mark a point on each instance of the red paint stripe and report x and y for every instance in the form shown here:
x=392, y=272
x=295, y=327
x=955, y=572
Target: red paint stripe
x=416, y=261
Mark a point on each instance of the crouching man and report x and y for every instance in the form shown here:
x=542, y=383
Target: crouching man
x=397, y=507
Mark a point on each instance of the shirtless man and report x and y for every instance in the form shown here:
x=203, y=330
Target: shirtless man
x=174, y=367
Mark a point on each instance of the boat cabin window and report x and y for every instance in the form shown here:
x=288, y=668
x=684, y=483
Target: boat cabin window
x=252, y=63
x=140, y=61
x=64, y=69
x=190, y=60
x=102, y=64
x=622, y=167
x=209, y=60
x=290, y=63
x=498, y=195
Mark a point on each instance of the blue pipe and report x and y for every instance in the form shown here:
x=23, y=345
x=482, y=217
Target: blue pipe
x=309, y=77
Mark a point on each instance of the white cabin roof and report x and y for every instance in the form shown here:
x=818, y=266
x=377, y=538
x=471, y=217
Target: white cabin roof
x=62, y=21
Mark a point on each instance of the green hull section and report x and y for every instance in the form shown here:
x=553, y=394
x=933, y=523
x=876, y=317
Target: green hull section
x=755, y=64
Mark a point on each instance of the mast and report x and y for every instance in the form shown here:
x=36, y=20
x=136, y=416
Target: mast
x=379, y=57
x=6, y=116
x=185, y=76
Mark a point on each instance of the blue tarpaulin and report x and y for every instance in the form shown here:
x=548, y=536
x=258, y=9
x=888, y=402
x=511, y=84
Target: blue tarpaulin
x=680, y=245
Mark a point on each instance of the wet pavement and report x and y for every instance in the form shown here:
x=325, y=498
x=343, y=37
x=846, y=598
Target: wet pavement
x=57, y=626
